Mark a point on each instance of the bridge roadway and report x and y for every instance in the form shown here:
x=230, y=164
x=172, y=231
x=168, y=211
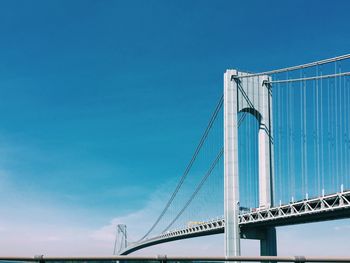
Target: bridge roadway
x=328, y=207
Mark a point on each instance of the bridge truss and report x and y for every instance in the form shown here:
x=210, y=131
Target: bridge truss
x=329, y=207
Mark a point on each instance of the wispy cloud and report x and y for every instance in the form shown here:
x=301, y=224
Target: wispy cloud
x=137, y=221
x=342, y=228
x=60, y=234
x=40, y=227
x=32, y=224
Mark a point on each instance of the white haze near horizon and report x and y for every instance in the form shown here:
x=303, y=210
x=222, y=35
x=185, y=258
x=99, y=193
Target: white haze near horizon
x=30, y=227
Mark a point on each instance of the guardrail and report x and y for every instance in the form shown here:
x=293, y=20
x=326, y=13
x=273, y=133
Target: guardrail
x=164, y=258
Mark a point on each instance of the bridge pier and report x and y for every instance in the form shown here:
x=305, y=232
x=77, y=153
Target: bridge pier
x=268, y=243
x=266, y=236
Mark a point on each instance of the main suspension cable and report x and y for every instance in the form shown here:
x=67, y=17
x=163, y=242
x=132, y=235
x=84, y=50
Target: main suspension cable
x=303, y=66
x=201, y=183
x=199, y=186
x=189, y=166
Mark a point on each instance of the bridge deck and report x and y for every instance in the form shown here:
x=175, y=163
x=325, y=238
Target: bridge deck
x=328, y=207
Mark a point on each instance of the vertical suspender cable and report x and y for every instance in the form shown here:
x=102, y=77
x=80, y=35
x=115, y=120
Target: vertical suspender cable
x=341, y=132
x=302, y=161
x=280, y=162
x=346, y=170
x=305, y=138
x=248, y=150
x=314, y=127
x=336, y=129
x=247, y=141
x=321, y=141
x=348, y=126
x=251, y=160
x=255, y=177
x=329, y=156
x=288, y=140
x=333, y=148
x=292, y=124
x=258, y=100
x=317, y=135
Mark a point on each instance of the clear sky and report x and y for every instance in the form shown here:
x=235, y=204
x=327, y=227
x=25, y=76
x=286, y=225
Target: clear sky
x=103, y=102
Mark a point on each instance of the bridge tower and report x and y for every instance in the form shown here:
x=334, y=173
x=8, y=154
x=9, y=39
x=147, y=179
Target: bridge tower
x=121, y=239
x=252, y=95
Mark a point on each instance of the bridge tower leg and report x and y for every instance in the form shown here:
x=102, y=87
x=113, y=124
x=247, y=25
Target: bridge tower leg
x=231, y=182
x=252, y=95
x=268, y=245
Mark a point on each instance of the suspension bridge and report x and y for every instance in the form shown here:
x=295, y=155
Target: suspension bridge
x=275, y=152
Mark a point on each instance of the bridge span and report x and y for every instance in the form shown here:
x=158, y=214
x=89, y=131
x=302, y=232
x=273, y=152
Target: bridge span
x=328, y=207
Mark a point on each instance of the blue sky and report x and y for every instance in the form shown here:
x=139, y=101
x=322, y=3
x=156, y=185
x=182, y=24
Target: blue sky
x=103, y=102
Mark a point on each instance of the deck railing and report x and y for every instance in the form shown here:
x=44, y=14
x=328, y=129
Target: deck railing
x=164, y=259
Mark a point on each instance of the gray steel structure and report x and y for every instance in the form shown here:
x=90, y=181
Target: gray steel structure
x=121, y=239
x=252, y=224
x=251, y=93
